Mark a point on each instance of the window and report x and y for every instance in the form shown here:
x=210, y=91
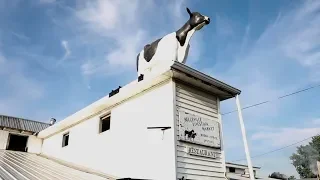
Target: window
x=232, y=169
x=65, y=140
x=105, y=123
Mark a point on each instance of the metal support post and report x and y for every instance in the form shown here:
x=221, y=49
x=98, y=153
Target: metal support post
x=244, y=137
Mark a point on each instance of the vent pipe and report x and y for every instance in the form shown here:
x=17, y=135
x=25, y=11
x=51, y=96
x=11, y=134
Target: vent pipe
x=52, y=121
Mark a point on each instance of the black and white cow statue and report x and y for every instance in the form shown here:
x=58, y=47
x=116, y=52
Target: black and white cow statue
x=172, y=47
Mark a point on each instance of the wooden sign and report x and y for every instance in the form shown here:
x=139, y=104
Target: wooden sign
x=199, y=130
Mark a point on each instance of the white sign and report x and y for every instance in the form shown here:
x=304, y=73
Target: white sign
x=202, y=152
x=199, y=130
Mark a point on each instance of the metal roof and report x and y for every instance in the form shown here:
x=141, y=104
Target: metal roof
x=22, y=124
x=230, y=164
x=16, y=165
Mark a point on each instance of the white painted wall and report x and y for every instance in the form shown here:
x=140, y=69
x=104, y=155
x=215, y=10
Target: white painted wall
x=128, y=149
x=34, y=144
x=197, y=102
x=3, y=139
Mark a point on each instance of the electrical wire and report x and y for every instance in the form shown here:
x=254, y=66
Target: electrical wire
x=276, y=149
x=278, y=98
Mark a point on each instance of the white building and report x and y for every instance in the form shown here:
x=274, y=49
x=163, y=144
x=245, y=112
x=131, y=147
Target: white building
x=166, y=126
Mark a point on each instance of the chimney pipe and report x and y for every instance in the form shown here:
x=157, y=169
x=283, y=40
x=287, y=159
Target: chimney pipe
x=52, y=121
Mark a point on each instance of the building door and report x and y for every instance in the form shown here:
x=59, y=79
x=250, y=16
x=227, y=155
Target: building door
x=17, y=142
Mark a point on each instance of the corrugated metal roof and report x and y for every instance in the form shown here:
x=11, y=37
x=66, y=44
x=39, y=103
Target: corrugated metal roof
x=22, y=124
x=16, y=165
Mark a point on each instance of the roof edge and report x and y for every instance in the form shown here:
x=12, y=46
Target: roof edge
x=188, y=70
x=130, y=90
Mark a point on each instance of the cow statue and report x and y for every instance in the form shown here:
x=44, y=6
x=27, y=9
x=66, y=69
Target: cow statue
x=172, y=47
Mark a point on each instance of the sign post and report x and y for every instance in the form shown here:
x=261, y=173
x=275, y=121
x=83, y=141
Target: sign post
x=244, y=137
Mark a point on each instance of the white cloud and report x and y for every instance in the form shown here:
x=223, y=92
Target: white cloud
x=88, y=68
x=67, y=53
x=283, y=59
x=117, y=22
x=20, y=36
x=316, y=121
x=2, y=58
x=127, y=49
x=47, y=1
x=224, y=26
x=18, y=88
x=65, y=45
x=280, y=137
x=268, y=165
x=126, y=27
x=298, y=36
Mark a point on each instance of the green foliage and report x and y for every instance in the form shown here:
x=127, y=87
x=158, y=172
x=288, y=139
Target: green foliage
x=277, y=175
x=304, y=160
x=291, y=178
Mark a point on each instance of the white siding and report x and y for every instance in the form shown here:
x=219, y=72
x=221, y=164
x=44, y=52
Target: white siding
x=191, y=167
x=3, y=139
x=128, y=149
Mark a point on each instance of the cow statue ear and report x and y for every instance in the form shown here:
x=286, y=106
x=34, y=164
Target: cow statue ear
x=189, y=12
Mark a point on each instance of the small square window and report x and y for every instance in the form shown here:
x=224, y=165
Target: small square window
x=105, y=123
x=232, y=169
x=65, y=140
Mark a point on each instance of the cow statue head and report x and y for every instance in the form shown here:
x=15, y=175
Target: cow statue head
x=197, y=20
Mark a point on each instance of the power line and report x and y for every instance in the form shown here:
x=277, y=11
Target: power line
x=276, y=149
x=278, y=98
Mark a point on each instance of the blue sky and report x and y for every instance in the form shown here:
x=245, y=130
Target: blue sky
x=57, y=56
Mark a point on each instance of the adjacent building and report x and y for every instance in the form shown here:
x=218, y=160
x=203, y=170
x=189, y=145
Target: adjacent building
x=20, y=134
x=239, y=171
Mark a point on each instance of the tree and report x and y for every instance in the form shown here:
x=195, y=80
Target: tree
x=306, y=157
x=292, y=177
x=277, y=175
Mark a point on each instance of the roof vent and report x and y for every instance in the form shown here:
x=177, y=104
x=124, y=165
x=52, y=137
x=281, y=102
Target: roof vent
x=113, y=92
x=52, y=121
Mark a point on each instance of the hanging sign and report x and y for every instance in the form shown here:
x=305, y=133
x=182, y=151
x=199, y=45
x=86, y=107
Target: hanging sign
x=199, y=130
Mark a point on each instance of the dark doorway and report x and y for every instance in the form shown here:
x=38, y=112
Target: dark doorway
x=17, y=143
